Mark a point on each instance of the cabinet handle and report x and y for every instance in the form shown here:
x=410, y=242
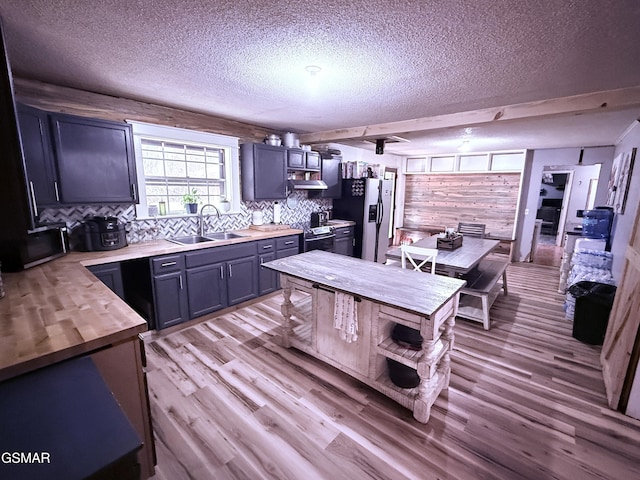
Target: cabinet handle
x=221, y=272
x=133, y=191
x=33, y=199
x=290, y=242
x=267, y=247
x=55, y=187
x=63, y=240
x=180, y=277
x=168, y=264
x=230, y=271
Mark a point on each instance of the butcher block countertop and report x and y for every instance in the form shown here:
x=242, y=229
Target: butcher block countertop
x=60, y=310
x=417, y=292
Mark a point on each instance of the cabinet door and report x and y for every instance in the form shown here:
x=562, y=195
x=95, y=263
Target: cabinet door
x=268, y=279
x=312, y=161
x=264, y=172
x=38, y=156
x=170, y=299
x=206, y=289
x=295, y=158
x=111, y=275
x=344, y=241
x=332, y=176
x=94, y=159
x=343, y=246
x=242, y=279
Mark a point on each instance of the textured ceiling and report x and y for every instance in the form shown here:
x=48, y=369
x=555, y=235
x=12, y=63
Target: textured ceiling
x=382, y=60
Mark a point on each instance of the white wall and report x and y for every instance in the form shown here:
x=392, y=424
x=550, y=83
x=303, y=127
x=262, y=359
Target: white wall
x=623, y=223
x=561, y=159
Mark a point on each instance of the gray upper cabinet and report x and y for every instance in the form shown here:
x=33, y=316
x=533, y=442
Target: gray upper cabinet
x=95, y=160
x=299, y=159
x=264, y=171
x=42, y=181
x=76, y=160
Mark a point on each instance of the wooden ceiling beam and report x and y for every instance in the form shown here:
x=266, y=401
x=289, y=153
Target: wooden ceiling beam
x=609, y=100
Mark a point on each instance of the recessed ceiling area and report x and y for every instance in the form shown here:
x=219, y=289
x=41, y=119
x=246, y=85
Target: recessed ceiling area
x=381, y=61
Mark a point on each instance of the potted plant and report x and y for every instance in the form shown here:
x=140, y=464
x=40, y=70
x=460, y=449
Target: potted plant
x=190, y=201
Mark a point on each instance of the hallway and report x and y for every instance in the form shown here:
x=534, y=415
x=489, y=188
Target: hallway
x=547, y=253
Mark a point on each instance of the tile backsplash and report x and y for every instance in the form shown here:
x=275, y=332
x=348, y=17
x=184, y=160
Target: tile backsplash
x=163, y=227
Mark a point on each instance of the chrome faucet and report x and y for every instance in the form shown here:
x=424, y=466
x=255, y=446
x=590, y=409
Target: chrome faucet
x=201, y=217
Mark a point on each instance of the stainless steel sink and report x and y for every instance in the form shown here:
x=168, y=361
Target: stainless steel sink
x=222, y=235
x=209, y=237
x=190, y=239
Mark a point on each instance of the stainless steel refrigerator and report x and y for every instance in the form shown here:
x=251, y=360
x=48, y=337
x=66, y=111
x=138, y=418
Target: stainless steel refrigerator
x=367, y=201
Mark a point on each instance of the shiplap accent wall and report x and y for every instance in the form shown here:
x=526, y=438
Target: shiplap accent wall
x=446, y=199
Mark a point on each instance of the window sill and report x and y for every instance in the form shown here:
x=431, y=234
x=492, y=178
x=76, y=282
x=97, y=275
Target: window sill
x=183, y=215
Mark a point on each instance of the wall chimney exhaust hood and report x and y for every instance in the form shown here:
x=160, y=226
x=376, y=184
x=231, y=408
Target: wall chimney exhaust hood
x=307, y=185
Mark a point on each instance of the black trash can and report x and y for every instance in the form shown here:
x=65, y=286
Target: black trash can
x=593, y=306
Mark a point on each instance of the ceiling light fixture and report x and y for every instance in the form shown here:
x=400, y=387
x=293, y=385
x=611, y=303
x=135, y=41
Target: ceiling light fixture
x=313, y=70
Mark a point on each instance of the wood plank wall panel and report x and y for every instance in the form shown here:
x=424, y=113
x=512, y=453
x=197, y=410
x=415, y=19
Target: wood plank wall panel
x=446, y=199
x=620, y=350
x=95, y=105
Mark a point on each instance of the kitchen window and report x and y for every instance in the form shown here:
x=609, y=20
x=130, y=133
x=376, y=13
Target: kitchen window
x=173, y=161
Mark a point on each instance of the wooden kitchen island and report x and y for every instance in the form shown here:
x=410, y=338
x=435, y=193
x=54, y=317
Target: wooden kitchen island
x=383, y=296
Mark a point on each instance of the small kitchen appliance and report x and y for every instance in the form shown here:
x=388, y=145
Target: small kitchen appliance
x=103, y=233
x=319, y=219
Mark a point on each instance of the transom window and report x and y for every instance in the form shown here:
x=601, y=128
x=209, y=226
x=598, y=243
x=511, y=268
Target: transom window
x=173, y=162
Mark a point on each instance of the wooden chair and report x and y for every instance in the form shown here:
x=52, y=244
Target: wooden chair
x=418, y=254
x=472, y=229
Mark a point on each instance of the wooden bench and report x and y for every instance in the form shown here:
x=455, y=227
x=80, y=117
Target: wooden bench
x=482, y=289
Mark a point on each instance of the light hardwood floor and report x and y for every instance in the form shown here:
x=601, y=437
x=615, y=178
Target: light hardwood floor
x=526, y=400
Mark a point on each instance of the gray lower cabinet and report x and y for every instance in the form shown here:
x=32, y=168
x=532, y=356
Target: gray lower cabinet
x=242, y=279
x=268, y=279
x=270, y=250
x=343, y=243
x=196, y=283
x=169, y=292
x=206, y=289
x=111, y=275
x=221, y=276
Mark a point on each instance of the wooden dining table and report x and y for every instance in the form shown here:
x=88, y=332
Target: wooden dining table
x=453, y=263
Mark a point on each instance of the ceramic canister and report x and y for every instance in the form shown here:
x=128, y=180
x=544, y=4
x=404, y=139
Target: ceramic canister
x=257, y=218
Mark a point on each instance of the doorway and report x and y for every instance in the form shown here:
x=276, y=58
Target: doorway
x=555, y=192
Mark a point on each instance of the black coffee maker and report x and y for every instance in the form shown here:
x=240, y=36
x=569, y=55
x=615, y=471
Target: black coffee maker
x=103, y=233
